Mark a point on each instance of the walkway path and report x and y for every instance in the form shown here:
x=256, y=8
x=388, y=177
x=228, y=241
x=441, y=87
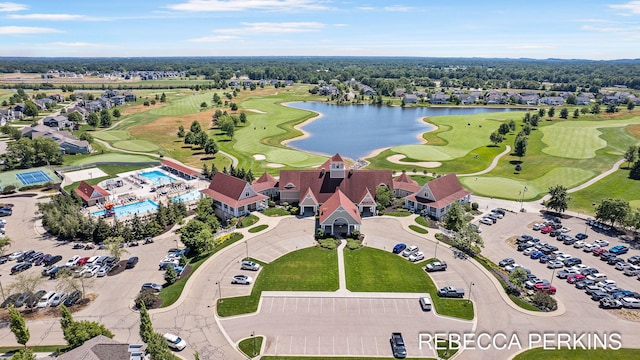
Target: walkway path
x=494, y=163
x=342, y=279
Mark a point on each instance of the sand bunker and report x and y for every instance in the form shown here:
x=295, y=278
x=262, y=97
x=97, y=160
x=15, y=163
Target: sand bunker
x=274, y=165
x=256, y=111
x=397, y=159
x=259, y=157
x=86, y=174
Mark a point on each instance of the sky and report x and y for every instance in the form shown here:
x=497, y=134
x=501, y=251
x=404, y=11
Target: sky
x=567, y=29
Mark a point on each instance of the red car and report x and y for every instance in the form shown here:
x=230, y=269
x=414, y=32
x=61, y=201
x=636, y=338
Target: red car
x=598, y=251
x=549, y=289
x=82, y=261
x=547, y=229
x=575, y=278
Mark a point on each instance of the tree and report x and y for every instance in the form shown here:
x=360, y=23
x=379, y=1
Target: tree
x=5, y=242
x=66, y=320
x=216, y=99
x=27, y=282
x=552, y=111
x=30, y=109
x=18, y=326
x=163, y=97
x=116, y=113
x=75, y=117
x=572, y=100
x=210, y=146
x=595, y=109
x=518, y=277
x=454, y=217
x=115, y=246
x=23, y=354
x=86, y=136
x=195, y=127
x=47, y=151
x=384, y=197
x=203, y=105
x=467, y=237
x=158, y=348
x=93, y=119
x=559, y=198
x=512, y=125
x=576, y=113
x=631, y=105
x=631, y=154
x=613, y=210
x=535, y=120
x=635, y=171
x=146, y=328
x=496, y=138
x=227, y=126
x=564, y=113
x=68, y=282
x=105, y=118
x=503, y=129
x=243, y=117
x=170, y=275
x=77, y=332
x=542, y=112
x=520, y=145
x=181, y=131
x=526, y=129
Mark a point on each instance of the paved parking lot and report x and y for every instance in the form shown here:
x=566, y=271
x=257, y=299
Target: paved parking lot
x=350, y=326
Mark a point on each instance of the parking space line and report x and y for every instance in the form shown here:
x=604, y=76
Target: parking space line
x=319, y=345
x=305, y=345
x=309, y=305
x=276, y=348
x=375, y=339
x=334, y=305
x=271, y=306
x=348, y=349
x=395, y=303
x=333, y=339
x=290, y=343
x=358, y=300
x=321, y=301
x=362, y=344
x=296, y=309
x=283, y=304
x=371, y=305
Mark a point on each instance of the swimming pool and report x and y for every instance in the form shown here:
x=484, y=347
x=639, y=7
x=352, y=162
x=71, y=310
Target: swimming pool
x=158, y=177
x=190, y=196
x=140, y=208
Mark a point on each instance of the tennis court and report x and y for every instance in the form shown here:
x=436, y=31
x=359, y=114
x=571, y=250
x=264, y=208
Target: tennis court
x=33, y=177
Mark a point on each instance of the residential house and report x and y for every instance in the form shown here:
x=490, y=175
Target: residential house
x=266, y=185
x=104, y=348
x=367, y=90
x=129, y=96
x=410, y=99
x=529, y=99
x=399, y=92
x=8, y=115
x=467, y=99
x=80, y=110
x=56, y=97
x=552, y=100
x=68, y=143
x=20, y=107
x=233, y=197
x=435, y=197
x=328, y=90
x=91, y=194
x=118, y=100
x=58, y=121
x=610, y=100
x=439, y=98
x=403, y=186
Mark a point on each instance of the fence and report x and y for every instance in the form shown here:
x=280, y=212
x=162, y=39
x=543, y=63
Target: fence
x=224, y=232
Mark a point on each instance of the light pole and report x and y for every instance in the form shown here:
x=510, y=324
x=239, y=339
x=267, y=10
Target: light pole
x=253, y=336
x=247, y=246
x=522, y=198
x=219, y=291
x=553, y=273
x=470, y=285
x=435, y=255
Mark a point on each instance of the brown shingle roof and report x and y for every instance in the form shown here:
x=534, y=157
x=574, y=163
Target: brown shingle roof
x=323, y=186
x=228, y=189
x=98, y=348
x=179, y=167
x=445, y=189
x=404, y=182
x=266, y=181
x=88, y=192
x=337, y=200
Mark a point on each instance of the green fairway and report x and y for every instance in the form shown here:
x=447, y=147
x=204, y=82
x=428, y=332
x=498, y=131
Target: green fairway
x=109, y=157
x=111, y=135
x=309, y=269
x=575, y=139
x=136, y=145
x=394, y=273
x=578, y=354
x=617, y=185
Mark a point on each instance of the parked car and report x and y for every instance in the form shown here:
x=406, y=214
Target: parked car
x=151, y=286
x=597, y=277
x=32, y=301
x=59, y=298
x=528, y=251
x=73, y=260
x=579, y=244
x=506, y=261
x=52, y=260
x=486, y=221
x=537, y=226
x=601, y=243
x=545, y=288
x=20, y=267
x=451, y=292
x=436, y=266
x=175, y=342
x=104, y=270
x=581, y=236
x=10, y=300
x=572, y=279
x=399, y=248
x=531, y=284
x=22, y=298
x=73, y=298
x=546, y=229
x=572, y=261
x=425, y=303
x=417, y=256
x=563, y=274
x=632, y=270
x=398, y=347
x=619, y=250
x=131, y=263
x=589, y=271
x=45, y=300
x=608, y=303
x=599, y=295
x=584, y=283
x=536, y=255
x=589, y=247
x=241, y=279
x=250, y=265
x=598, y=251
x=410, y=250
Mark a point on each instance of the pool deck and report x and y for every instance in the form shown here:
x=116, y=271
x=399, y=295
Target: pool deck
x=144, y=191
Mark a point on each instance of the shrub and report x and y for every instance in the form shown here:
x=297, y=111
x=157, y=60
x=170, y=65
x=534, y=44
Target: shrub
x=544, y=301
x=271, y=204
x=355, y=234
x=439, y=236
x=294, y=210
x=353, y=244
x=148, y=298
x=474, y=206
x=512, y=290
x=9, y=189
x=320, y=234
x=330, y=244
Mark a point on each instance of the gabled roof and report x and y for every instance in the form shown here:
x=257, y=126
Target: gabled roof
x=229, y=189
x=181, y=168
x=327, y=164
x=90, y=192
x=336, y=201
x=98, y=348
x=309, y=194
x=445, y=190
x=266, y=181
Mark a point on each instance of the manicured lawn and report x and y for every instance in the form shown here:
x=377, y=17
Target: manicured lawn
x=107, y=157
x=251, y=346
x=578, y=354
x=276, y=211
x=421, y=179
x=418, y=229
x=258, y=228
x=309, y=269
x=617, y=185
x=249, y=220
x=399, y=213
x=171, y=293
x=394, y=273
x=422, y=221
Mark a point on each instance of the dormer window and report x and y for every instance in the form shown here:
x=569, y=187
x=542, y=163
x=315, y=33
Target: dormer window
x=289, y=186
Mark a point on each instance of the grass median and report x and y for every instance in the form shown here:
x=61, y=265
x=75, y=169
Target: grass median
x=309, y=269
x=374, y=270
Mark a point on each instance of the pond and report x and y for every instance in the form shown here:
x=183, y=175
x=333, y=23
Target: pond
x=355, y=131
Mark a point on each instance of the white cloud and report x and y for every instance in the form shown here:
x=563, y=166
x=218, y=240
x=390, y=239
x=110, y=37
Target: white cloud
x=217, y=38
x=631, y=6
x=245, y=5
x=9, y=6
x=16, y=30
x=52, y=17
x=82, y=45
x=531, y=47
x=398, y=8
x=274, y=28
x=366, y=8
x=627, y=30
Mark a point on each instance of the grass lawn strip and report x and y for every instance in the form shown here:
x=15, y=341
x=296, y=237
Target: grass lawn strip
x=248, y=348
x=418, y=229
x=395, y=274
x=572, y=141
x=578, y=354
x=258, y=228
x=309, y=269
x=617, y=185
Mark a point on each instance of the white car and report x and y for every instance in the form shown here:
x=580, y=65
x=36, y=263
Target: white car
x=486, y=221
x=92, y=271
x=579, y=244
x=631, y=303
x=103, y=271
x=45, y=300
x=589, y=247
x=564, y=257
x=250, y=265
x=529, y=251
x=579, y=267
x=512, y=267
x=537, y=226
x=605, y=283
x=554, y=264
x=58, y=298
x=175, y=341
x=416, y=256
x=410, y=250
x=93, y=259
x=15, y=255
x=241, y=279
x=601, y=243
x=72, y=261
x=565, y=229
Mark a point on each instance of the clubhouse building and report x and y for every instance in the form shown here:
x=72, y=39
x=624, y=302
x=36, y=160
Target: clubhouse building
x=341, y=196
